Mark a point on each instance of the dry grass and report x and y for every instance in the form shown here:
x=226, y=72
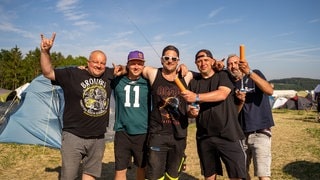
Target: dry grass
x=296, y=153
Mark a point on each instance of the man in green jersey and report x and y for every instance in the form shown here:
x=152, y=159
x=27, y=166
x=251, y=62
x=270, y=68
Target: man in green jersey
x=132, y=102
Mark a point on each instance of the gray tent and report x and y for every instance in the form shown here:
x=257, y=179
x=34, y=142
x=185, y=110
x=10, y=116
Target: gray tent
x=298, y=103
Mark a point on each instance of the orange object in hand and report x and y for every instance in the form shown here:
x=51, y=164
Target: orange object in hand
x=242, y=52
x=179, y=84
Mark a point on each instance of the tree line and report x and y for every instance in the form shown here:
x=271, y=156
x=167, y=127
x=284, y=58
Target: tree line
x=298, y=84
x=16, y=69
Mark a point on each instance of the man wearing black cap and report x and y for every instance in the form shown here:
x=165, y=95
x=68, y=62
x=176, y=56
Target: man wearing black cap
x=218, y=132
x=132, y=105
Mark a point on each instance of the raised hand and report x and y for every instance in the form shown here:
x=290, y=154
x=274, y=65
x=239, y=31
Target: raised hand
x=46, y=43
x=219, y=65
x=244, y=66
x=119, y=70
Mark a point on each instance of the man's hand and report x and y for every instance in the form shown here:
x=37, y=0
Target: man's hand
x=241, y=96
x=119, y=70
x=183, y=69
x=82, y=67
x=244, y=66
x=189, y=96
x=46, y=43
x=219, y=65
x=193, y=111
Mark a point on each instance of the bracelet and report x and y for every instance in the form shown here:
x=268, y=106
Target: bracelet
x=250, y=72
x=197, y=98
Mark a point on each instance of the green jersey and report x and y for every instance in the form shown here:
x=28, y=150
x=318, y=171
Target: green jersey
x=132, y=105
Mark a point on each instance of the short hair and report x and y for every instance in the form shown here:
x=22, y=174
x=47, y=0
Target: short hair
x=230, y=56
x=97, y=52
x=170, y=47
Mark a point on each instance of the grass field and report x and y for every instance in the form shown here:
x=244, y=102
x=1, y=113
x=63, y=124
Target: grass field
x=295, y=151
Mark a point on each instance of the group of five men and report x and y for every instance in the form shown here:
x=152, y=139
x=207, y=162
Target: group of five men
x=152, y=115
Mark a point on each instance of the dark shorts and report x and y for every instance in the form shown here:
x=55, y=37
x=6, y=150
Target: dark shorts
x=127, y=146
x=165, y=156
x=212, y=149
x=76, y=150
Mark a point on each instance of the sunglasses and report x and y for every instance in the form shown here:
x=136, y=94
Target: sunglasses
x=167, y=58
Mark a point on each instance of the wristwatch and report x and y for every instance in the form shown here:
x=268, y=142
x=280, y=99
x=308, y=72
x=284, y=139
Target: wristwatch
x=197, y=98
x=250, y=72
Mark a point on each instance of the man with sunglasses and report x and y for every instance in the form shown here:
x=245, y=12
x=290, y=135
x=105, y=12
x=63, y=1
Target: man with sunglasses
x=218, y=132
x=168, y=119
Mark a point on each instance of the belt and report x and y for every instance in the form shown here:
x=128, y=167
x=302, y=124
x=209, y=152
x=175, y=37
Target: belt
x=93, y=137
x=266, y=132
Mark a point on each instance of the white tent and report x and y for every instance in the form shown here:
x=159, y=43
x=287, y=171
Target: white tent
x=20, y=89
x=317, y=89
x=284, y=93
x=279, y=102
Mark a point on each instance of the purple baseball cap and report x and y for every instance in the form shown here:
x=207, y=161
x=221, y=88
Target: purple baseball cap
x=136, y=55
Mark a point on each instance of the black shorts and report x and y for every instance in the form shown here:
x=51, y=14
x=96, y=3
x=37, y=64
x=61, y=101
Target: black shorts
x=165, y=156
x=127, y=146
x=212, y=149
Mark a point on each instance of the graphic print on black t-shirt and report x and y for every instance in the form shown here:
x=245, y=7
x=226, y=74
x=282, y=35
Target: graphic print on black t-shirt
x=169, y=104
x=169, y=110
x=171, y=116
x=95, y=97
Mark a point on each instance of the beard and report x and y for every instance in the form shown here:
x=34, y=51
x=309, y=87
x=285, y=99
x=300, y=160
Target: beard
x=237, y=74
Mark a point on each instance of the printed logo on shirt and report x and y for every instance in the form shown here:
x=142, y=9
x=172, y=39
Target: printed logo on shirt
x=95, y=101
x=247, y=86
x=169, y=106
x=169, y=110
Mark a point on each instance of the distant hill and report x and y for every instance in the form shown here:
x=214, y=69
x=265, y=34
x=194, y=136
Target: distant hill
x=297, y=84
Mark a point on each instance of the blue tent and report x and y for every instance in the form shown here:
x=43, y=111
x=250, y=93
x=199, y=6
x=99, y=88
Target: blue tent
x=38, y=117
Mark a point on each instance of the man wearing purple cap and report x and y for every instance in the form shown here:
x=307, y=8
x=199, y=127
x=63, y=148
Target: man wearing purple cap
x=132, y=102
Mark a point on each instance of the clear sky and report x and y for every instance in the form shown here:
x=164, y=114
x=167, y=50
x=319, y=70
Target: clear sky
x=282, y=37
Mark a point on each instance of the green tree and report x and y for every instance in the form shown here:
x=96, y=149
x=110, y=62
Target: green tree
x=16, y=70
x=4, y=56
x=32, y=64
x=12, y=72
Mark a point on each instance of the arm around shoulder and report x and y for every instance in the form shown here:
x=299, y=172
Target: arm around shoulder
x=149, y=73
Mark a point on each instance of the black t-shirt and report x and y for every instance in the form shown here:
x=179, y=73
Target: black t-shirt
x=217, y=119
x=168, y=115
x=87, y=100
